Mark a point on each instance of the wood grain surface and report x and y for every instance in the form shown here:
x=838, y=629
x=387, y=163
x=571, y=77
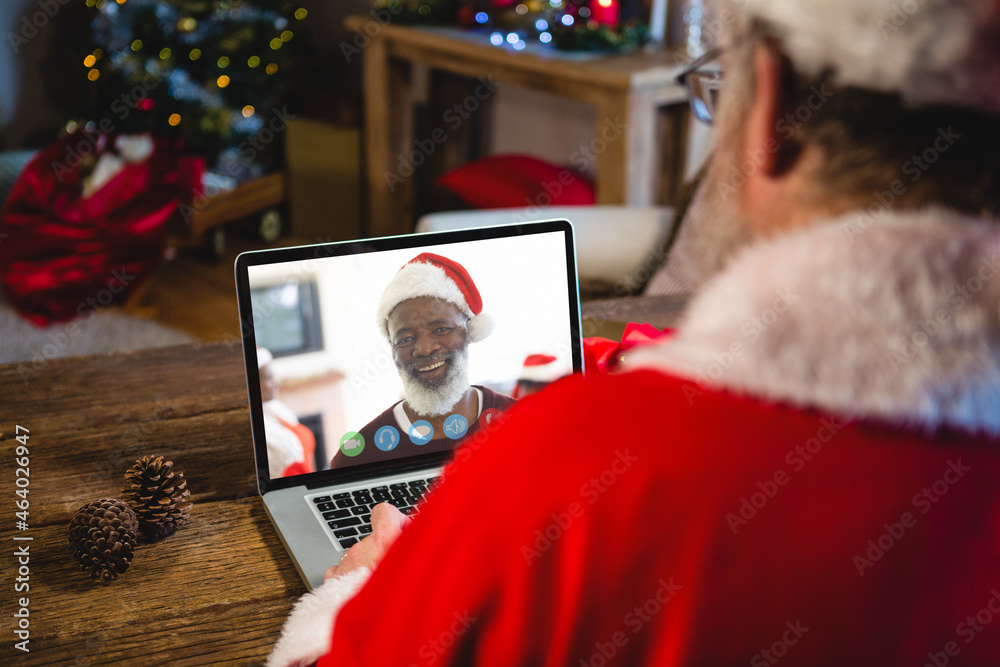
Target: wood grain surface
x=217, y=591
x=608, y=317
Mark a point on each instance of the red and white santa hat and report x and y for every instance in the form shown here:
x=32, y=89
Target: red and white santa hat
x=931, y=52
x=433, y=275
x=541, y=368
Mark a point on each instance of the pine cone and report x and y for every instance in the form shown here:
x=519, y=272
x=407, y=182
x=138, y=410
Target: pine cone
x=103, y=535
x=158, y=496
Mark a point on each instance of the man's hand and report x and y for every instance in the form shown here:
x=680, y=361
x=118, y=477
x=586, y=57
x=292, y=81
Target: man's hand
x=387, y=524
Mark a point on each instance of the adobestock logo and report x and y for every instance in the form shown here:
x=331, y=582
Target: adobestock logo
x=47, y=10
x=634, y=621
x=967, y=631
x=797, y=457
x=779, y=649
x=60, y=339
x=916, y=168
x=923, y=501
x=434, y=649
x=591, y=491
x=958, y=296
x=899, y=16
x=411, y=159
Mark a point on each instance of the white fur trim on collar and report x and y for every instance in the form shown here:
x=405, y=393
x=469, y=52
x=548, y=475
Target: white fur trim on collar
x=896, y=318
x=305, y=637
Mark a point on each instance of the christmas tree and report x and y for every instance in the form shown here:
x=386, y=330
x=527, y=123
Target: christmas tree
x=213, y=75
x=571, y=25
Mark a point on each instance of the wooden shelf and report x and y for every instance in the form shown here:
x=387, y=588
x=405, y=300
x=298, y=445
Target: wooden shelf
x=628, y=92
x=242, y=201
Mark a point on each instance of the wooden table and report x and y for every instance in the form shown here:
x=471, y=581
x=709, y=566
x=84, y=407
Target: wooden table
x=627, y=90
x=217, y=591
x=609, y=317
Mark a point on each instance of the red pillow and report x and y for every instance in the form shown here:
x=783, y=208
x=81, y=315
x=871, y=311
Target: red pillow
x=508, y=181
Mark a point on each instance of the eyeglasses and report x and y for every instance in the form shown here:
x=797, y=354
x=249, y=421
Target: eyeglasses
x=703, y=85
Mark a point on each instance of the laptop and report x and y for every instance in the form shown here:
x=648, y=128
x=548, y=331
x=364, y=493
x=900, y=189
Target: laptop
x=331, y=437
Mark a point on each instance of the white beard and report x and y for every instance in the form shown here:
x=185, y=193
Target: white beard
x=713, y=229
x=434, y=401
x=716, y=228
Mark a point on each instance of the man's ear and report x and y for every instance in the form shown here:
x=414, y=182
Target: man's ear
x=769, y=136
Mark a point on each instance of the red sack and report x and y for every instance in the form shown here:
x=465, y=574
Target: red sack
x=63, y=254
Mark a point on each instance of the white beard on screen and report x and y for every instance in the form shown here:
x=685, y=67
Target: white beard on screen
x=437, y=398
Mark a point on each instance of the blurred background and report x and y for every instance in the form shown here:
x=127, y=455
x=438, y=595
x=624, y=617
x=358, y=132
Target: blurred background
x=144, y=144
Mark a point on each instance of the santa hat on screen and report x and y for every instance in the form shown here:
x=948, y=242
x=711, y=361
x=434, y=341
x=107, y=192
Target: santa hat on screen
x=541, y=368
x=931, y=52
x=432, y=275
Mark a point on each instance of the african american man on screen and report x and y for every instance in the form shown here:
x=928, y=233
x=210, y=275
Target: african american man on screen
x=429, y=313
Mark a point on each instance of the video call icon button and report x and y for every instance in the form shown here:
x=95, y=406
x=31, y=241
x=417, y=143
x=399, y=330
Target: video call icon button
x=421, y=432
x=386, y=438
x=352, y=443
x=455, y=426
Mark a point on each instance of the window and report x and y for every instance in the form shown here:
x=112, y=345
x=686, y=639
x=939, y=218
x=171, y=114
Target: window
x=286, y=318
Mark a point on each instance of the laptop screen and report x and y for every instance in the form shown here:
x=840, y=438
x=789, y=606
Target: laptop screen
x=375, y=354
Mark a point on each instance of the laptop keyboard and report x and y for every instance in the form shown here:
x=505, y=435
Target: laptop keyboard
x=349, y=514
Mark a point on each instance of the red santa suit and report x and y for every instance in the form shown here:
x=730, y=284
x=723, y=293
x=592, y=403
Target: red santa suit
x=806, y=472
x=290, y=445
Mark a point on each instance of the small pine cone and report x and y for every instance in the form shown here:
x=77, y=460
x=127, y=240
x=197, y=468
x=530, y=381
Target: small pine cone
x=158, y=495
x=103, y=535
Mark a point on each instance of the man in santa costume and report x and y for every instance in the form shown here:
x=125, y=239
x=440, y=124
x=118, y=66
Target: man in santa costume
x=807, y=471
x=429, y=313
x=291, y=446
x=538, y=372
